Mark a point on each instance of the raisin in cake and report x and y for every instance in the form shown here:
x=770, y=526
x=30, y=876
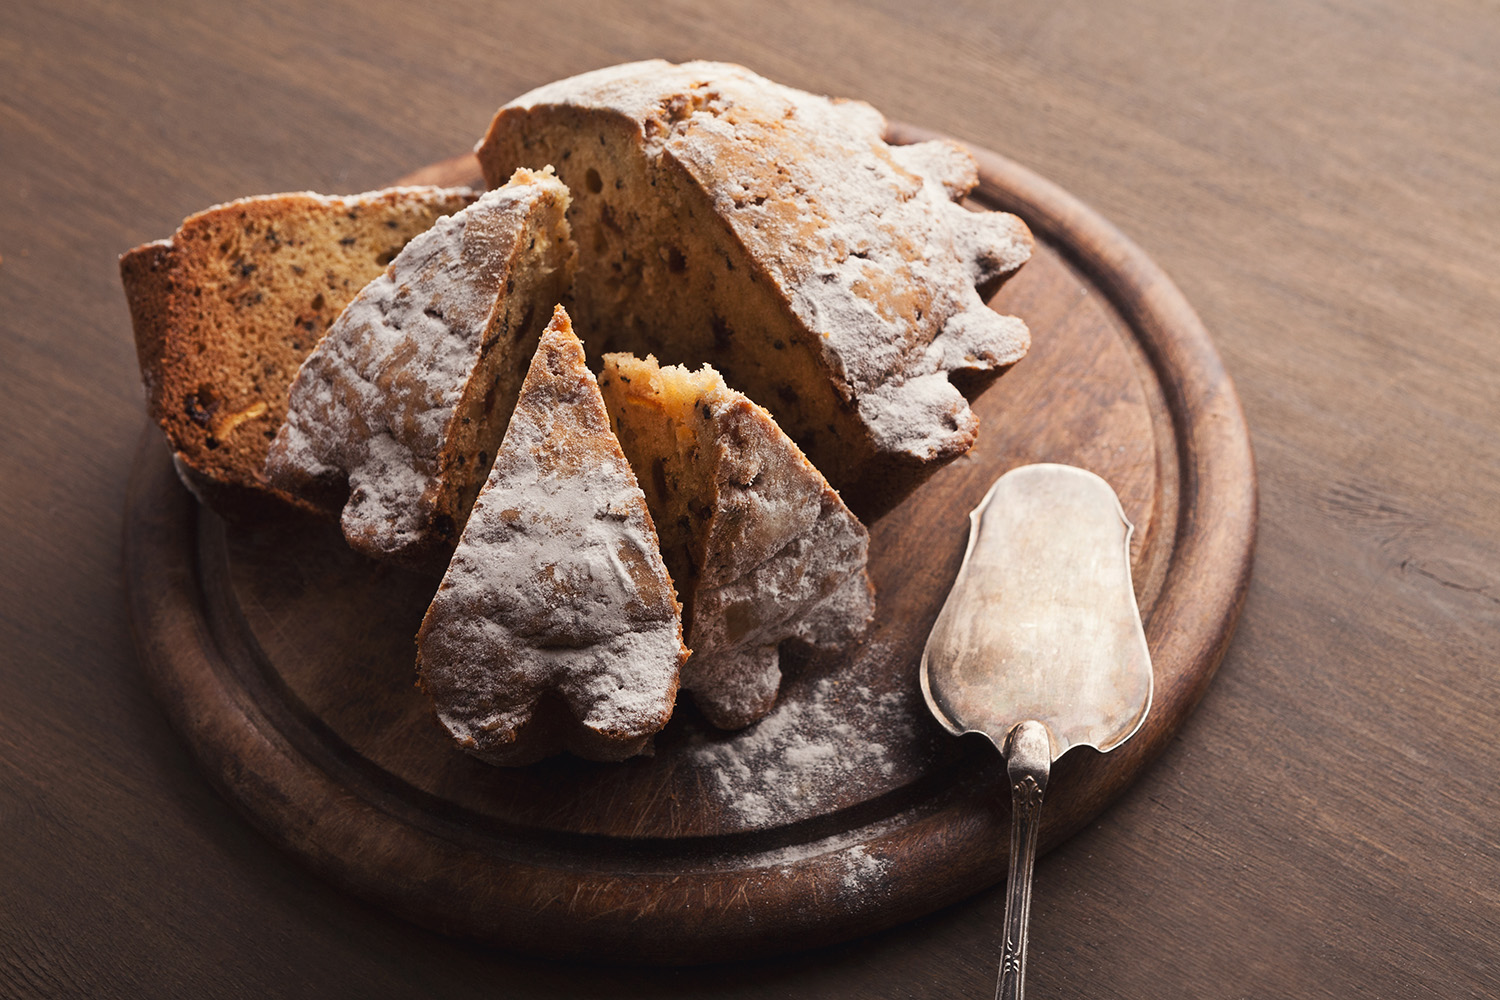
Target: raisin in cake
x=555, y=626
x=398, y=412
x=760, y=547
x=830, y=276
x=228, y=308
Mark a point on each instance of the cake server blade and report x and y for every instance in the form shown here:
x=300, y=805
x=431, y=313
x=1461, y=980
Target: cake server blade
x=1040, y=647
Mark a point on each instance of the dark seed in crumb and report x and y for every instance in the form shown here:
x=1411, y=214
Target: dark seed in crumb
x=200, y=407
x=723, y=333
x=659, y=476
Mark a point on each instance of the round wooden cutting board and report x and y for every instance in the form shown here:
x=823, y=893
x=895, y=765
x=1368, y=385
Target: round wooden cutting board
x=287, y=662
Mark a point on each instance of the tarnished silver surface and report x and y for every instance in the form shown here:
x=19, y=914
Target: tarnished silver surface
x=1040, y=647
x=1041, y=623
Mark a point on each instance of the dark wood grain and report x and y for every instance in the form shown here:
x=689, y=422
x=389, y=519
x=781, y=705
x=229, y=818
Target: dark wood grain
x=1317, y=178
x=287, y=661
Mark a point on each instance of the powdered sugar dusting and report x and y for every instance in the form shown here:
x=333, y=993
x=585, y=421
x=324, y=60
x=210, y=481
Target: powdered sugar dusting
x=864, y=240
x=557, y=584
x=800, y=758
x=773, y=551
x=543, y=577
x=375, y=399
x=861, y=868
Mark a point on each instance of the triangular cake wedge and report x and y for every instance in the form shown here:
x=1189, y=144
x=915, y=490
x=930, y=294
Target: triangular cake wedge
x=397, y=414
x=228, y=308
x=556, y=626
x=828, y=274
x=760, y=546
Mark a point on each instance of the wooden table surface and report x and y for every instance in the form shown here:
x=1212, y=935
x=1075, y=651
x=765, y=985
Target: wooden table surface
x=1321, y=181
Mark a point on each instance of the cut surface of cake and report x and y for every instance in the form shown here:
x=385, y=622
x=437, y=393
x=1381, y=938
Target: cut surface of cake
x=555, y=626
x=227, y=309
x=760, y=546
x=829, y=275
x=397, y=414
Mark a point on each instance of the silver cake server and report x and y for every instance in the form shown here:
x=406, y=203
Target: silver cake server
x=1040, y=647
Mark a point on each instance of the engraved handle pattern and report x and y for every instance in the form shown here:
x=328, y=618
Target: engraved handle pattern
x=1028, y=761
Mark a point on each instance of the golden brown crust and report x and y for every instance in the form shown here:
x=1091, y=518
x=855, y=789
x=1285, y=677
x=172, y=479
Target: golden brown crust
x=225, y=311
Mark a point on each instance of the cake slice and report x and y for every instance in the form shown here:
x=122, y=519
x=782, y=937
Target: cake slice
x=829, y=275
x=759, y=545
x=397, y=414
x=227, y=309
x=555, y=626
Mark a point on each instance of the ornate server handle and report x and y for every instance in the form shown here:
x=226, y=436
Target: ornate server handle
x=1028, y=761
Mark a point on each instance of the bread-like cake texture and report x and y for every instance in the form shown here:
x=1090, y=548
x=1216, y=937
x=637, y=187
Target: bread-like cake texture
x=227, y=309
x=760, y=547
x=555, y=626
x=827, y=274
x=399, y=411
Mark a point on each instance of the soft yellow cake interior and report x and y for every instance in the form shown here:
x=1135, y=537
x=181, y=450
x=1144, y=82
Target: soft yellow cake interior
x=656, y=412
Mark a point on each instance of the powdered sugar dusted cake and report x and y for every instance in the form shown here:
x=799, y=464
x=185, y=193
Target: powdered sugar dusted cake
x=228, y=308
x=555, y=626
x=827, y=274
x=759, y=545
x=402, y=406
